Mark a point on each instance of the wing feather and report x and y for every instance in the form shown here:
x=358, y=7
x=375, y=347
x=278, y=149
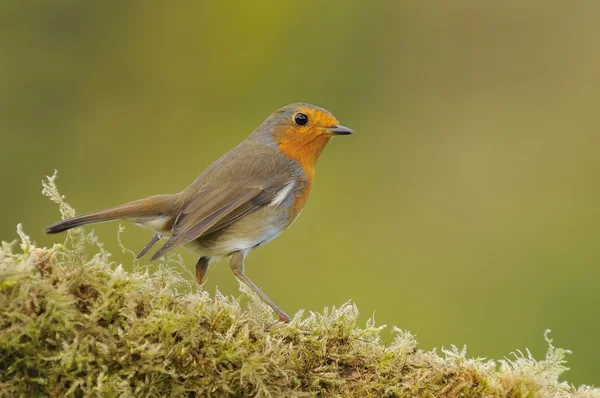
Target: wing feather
x=214, y=208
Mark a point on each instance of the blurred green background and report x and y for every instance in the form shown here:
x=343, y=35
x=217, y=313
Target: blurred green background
x=465, y=208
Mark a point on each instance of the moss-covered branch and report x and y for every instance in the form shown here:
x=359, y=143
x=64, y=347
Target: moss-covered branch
x=75, y=324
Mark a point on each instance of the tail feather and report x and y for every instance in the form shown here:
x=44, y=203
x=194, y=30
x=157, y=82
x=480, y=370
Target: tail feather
x=153, y=206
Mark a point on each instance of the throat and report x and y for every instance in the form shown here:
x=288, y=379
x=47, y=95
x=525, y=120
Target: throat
x=306, y=151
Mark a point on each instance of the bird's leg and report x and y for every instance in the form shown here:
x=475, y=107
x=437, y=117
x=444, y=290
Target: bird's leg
x=155, y=238
x=237, y=266
x=201, y=268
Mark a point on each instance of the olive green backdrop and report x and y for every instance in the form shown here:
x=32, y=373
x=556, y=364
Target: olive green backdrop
x=466, y=208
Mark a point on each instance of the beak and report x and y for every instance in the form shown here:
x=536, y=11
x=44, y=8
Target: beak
x=340, y=130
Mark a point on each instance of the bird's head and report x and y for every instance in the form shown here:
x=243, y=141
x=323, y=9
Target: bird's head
x=301, y=131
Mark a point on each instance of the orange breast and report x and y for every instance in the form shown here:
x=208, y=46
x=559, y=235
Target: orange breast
x=305, y=151
x=300, y=201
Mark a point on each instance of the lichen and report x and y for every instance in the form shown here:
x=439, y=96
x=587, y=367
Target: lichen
x=72, y=323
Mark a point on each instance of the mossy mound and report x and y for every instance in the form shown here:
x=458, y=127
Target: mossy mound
x=74, y=324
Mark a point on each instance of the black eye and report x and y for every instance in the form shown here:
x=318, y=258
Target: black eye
x=301, y=119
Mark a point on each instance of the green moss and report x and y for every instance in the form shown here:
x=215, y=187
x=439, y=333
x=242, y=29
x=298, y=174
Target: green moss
x=74, y=324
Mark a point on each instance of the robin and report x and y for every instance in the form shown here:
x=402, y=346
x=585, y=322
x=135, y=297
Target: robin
x=243, y=200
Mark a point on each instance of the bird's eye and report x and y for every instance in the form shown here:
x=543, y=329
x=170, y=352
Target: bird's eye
x=301, y=119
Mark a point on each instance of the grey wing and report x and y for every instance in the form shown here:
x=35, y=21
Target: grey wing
x=214, y=208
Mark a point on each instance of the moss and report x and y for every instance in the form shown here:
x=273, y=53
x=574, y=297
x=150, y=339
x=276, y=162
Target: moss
x=75, y=324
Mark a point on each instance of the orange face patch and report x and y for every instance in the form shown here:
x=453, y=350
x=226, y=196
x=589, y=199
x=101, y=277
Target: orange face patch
x=304, y=143
x=317, y=117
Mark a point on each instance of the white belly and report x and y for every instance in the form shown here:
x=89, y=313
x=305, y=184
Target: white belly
x=234, y=244
x=253, y=230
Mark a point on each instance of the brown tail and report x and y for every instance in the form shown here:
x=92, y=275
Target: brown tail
x=153, y=206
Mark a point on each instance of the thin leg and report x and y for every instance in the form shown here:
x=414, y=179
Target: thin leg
x=201, y=268
x=237, y=266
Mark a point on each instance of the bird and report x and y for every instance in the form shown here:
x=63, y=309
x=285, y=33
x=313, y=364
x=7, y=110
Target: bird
x=243, y=200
